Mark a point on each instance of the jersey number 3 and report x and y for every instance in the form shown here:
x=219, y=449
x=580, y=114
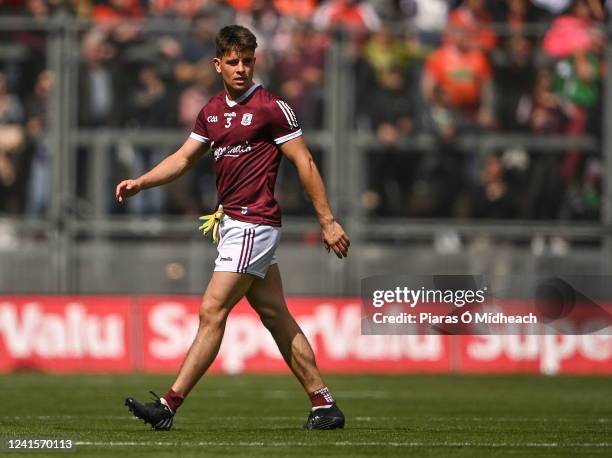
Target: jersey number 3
x=228, y=123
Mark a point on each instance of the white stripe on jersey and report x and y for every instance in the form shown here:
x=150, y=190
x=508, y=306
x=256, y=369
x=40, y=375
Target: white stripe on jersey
x=199, y=138
x=284, y=110
x=292, y=113
x=286, y=138
x=288, y=112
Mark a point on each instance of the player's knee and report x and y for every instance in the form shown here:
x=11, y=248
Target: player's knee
x=271, y=317
x=212, y=314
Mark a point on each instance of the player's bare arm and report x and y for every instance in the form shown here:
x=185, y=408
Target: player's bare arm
x=166, y=171
x=334, y=236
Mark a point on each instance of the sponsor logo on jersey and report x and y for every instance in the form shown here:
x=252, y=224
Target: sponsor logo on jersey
x=232, y=150
x=245, y=210
x=230, y=115
x=246, y=119
x=212, y=119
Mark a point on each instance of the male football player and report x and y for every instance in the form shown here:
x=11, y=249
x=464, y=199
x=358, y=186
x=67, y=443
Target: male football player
x=248, y=130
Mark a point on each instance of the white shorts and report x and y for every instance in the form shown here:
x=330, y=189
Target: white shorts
x=246, y=247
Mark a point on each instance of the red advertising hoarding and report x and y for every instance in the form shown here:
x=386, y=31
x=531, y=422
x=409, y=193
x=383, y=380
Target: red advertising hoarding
x=66, y=333
x=333, y=326
x=547, y=354
x=152, y=334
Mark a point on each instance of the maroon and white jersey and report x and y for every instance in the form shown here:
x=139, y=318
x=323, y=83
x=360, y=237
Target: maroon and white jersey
x=244, y=135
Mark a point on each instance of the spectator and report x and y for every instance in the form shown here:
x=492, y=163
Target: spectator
x=557, y=7
x=517, y=14
x=429, y=17
x=302, y=10
x=576, y=43
x=514, y=73
x=12, y=169
x=200, y=42
x=390, y=114
x=390, y=107
x=383, y=52
x=351, y=14
x=574, y=32
x=12, y=6
x=241, y=5
x=544, y=113
x=82, y=8
x=12, y=160
x=583, y=199
x=493, y=198
x=11, y=109
x=114, y=12
x=473, y=16
x=443, y=171
x=388, y=11
x=458, y=93
x=298, y=76
x=151, y=105
x=176, y=53
x=96, y=91
x=442, y=119
x=187, y=9
x=33, y=47
x=463, y=73
x=553, y=6
x=119, y=22
x=263, y=18
x=39, y=183
x=100, y=98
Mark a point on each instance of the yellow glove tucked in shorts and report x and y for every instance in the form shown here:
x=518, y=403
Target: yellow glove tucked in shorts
x=210, y=223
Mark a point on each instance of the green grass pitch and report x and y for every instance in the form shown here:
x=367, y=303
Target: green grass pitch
x=433, y=416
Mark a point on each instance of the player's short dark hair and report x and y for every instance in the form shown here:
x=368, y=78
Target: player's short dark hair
x=235, y=37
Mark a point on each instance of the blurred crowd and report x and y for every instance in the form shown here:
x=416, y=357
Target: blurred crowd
x=438, y=67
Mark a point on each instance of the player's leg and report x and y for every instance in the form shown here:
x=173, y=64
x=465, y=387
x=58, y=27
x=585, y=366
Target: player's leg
x=224, y=290
x=267, y=298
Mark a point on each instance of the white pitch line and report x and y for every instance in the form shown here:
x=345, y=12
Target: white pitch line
x=127, y=417
x=349, y=444
x=493, y=419
x=66, y=417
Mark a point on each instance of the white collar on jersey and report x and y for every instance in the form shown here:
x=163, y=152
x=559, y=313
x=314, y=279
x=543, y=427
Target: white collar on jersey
x=233, y=103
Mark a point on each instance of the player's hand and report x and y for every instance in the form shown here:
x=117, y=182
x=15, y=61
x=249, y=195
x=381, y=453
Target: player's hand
x=335, y=239
x=125, y=189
